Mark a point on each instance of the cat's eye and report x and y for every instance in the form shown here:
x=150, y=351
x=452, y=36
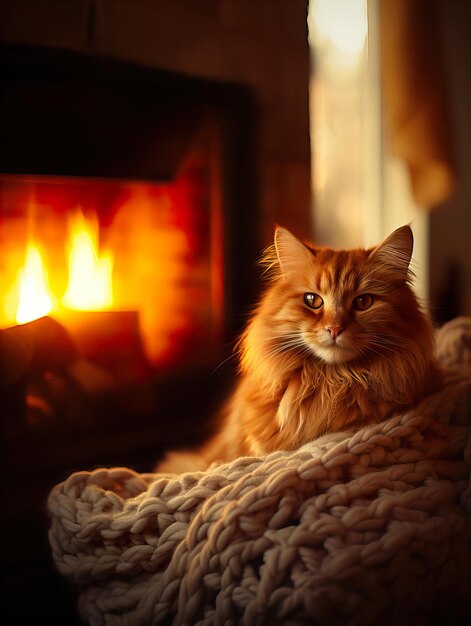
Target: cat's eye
x=363, y=302
x=313, y=300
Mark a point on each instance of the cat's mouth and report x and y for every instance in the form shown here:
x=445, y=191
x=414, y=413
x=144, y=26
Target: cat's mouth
x=335, y=354
x=332, y=350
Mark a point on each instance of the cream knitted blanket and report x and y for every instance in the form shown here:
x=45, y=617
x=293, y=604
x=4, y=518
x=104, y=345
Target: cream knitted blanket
x=372, y=528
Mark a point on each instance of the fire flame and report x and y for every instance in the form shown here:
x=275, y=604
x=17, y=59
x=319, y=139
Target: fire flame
x=35, y=298
x=90, y=276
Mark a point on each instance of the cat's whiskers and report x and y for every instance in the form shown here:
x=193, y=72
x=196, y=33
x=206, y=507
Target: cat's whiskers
x=386, y=357
x=286, y=344
x=382, y=343
x=234, y=354
x=384, y=340
x=294, y=353
x=381, y=354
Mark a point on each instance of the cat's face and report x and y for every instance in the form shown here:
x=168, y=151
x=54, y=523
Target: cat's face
x=345, y=305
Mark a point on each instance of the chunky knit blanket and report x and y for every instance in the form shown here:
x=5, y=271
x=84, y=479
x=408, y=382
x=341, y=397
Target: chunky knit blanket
x=371, y=528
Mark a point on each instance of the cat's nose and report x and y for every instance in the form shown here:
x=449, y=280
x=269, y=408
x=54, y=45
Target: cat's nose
x=334, y=331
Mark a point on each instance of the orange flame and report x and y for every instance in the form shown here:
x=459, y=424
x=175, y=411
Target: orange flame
x=90, y=276
x=35, y=298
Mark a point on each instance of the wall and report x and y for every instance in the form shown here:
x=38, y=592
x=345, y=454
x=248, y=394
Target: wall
x=262, y=44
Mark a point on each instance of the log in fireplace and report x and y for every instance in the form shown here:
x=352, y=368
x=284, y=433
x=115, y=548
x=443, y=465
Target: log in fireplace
x=154, y=175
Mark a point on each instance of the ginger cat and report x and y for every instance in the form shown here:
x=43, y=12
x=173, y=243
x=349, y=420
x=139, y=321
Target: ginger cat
x=337, y=341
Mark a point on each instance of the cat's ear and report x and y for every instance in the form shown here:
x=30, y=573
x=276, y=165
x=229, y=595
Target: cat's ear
x=293, y=255
x=395, y=251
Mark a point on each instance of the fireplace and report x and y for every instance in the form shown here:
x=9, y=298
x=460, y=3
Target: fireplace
x=156, y=170
x=128, y=236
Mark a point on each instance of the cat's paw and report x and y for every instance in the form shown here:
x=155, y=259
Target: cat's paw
x=179, y=462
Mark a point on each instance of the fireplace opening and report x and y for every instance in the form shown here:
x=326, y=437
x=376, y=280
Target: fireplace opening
x=127, y=230
x=139, y=252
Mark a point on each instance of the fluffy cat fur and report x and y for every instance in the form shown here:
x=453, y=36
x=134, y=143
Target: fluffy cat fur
x=363, y=353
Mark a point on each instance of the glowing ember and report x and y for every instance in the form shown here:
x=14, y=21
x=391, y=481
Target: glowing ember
x=35, y=299
x=90, y=277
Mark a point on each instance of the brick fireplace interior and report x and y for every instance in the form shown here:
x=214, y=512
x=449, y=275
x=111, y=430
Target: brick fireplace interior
x=180, y=161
